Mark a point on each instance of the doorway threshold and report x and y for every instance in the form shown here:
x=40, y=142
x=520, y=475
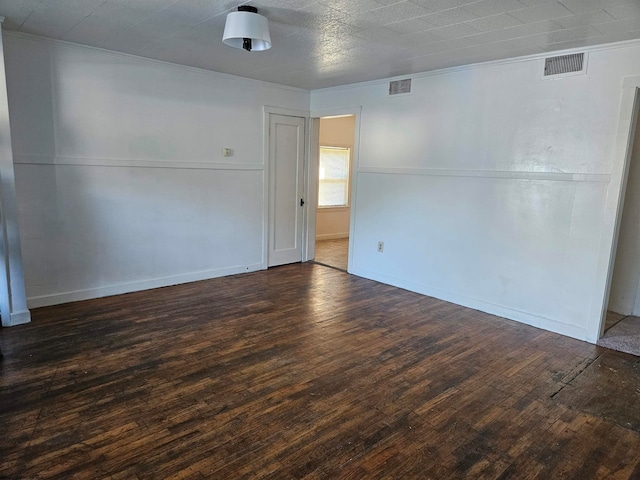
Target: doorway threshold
x=624, y=336
x=330, y=266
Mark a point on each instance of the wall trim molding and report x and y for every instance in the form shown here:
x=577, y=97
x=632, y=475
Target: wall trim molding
x=442, y=172
x=470, y=302
x=38, y=159
x=291, y=112
x=20, y=318
x=333, y=112
x=332, y=236
x=128, y=287
x=341, y=209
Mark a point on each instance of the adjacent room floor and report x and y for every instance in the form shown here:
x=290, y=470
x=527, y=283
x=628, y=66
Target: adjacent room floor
x=333, y=253
x=303, y=371
x=622, y=333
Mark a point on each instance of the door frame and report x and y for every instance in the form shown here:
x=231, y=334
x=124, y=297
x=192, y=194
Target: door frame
x=629, y=113
x=314, y=144
x=266, y=168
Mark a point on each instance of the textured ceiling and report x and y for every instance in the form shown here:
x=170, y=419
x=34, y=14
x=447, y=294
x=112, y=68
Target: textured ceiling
x=319, y=44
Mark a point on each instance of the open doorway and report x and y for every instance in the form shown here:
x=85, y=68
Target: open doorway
x=622, y=322
x=336, y=140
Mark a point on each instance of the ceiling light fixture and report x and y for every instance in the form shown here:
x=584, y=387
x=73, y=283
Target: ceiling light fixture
x=246, y=29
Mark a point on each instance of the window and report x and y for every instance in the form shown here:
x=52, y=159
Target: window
x=333, y=187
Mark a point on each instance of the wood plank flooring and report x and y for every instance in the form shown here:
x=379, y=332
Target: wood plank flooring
x=298, y=372
x=334, y=253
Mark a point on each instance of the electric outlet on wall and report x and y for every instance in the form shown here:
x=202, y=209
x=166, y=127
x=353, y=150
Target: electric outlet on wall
x=380, y=247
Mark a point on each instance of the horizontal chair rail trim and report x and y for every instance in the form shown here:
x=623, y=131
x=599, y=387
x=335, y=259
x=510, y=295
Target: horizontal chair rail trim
x=31, y=159
x=441, y=172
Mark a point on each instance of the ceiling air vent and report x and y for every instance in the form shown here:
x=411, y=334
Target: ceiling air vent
x=398, y=87
x=564, y=64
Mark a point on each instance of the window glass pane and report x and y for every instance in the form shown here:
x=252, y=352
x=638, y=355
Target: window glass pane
x=332, y=194
x=333, y=188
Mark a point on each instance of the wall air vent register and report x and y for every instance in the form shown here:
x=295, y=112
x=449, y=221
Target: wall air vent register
x=564, y=64
x=399, y=87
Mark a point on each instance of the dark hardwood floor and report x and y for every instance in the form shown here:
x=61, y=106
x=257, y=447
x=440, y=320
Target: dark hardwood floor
x=301, y=371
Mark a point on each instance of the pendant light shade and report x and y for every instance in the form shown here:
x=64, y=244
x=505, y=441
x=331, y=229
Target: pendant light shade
x=246, y=29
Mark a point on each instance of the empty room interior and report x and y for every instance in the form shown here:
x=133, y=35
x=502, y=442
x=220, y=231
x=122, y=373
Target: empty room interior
x=320, y=239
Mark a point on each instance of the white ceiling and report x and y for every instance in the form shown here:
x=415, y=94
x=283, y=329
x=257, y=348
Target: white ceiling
x=324, y=43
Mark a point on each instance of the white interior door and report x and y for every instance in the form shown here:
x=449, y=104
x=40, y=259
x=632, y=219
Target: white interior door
x=286, y=180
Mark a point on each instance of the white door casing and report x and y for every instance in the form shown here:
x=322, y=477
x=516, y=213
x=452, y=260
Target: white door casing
x=286, y=185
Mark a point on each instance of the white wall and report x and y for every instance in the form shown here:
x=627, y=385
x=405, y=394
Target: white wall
x=625, y=284
x=120, y=177
x=335, y=132
x=488, y=185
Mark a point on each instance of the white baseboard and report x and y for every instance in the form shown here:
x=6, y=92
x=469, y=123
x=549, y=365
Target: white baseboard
x=331, y=236
x=549, y=324
x=108, y=290
x=17, y=318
